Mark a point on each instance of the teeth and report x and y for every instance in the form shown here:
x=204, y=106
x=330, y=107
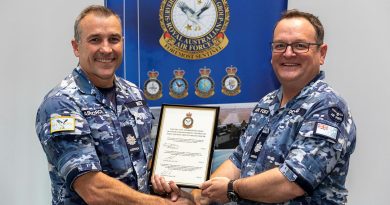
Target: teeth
x=104, y=60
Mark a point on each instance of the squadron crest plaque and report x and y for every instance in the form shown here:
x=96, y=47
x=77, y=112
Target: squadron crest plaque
x=231, y=83
x=178, y=87
x=152, y=86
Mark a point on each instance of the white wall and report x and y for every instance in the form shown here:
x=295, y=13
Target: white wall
x=357, y=65
x=35, y=54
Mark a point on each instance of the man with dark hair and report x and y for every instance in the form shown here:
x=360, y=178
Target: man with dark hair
x=298, y=142
x=95, y=127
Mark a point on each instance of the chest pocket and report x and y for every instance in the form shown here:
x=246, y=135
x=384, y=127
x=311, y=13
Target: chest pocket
x=257, y=121
x=142, y=117
x=109, y=145
x=141, y=120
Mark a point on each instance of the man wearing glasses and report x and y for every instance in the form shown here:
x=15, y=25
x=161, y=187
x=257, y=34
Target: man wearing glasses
x=297, y=146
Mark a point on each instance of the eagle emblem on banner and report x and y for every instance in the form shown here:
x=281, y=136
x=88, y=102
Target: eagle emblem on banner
x=194, y=29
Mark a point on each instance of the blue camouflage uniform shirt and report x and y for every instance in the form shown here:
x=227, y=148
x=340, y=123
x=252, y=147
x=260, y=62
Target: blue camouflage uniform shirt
x=81, y=131
x=310, y=140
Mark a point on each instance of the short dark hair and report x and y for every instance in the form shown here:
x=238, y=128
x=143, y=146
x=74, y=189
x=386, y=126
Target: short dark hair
x=95, y=9
x=314, y=21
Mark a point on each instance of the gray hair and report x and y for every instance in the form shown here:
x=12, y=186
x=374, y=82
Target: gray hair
x=96, y=10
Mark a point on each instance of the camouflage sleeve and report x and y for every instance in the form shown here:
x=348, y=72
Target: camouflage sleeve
x=65, y=137
x=318, y=147
x=236, y=156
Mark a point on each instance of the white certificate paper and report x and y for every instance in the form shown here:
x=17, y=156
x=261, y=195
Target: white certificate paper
x=184, y=144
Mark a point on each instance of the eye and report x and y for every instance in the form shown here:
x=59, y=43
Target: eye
x=279, y=46
x=301, y=46
x=94, y=40
x=115, y=39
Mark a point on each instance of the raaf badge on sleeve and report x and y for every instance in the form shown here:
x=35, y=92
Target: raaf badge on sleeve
x=336, y=114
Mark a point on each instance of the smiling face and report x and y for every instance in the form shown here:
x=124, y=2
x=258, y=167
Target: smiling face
x=100, y=48
x=295, y=70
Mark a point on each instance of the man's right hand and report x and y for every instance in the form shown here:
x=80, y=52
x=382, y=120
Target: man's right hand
x=199, y=199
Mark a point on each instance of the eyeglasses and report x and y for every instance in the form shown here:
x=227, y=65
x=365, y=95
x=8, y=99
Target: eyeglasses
x=297, y=47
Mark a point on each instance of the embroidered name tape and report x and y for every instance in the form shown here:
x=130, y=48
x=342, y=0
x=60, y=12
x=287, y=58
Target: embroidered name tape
x=96, y=112
x=326, y=131
x=137, y=103
x=62, y=123
x=298, y=111
x=263, y=111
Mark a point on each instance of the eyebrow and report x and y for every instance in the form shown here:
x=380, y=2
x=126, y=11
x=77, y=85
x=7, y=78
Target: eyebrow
x=99, y=35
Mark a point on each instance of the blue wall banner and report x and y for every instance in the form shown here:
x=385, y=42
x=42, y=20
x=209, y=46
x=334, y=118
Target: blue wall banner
x=199, y=51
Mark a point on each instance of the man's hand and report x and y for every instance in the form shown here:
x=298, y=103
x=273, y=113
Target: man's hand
x=216, y=189
x=177, y=196
x=198, y=198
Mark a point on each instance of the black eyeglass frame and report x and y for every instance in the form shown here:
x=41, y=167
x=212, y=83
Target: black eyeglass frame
x=292, y=46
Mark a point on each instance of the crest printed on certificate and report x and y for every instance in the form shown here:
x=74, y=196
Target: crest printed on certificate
x=184, y=144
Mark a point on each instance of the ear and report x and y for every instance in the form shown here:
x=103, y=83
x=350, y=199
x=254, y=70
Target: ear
x=75, y=46
x=323, y=50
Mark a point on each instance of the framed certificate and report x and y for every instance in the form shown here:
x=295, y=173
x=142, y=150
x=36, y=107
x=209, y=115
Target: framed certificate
x=184, y=144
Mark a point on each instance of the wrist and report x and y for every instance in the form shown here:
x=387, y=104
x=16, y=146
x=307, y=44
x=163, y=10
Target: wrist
x=232, y=195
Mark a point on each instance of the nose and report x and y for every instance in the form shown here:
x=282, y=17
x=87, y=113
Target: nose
x=289, y=51
x=105, y=47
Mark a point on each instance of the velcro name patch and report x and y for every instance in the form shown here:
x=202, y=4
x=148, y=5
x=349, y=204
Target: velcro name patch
x=62, y=123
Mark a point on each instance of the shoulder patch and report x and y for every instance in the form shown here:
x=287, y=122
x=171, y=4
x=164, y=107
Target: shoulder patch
x=62, y=123
x=326, y=131
x=336, y=114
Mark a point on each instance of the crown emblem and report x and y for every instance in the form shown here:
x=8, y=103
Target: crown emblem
x=153, y=74
x=189, y=114
x=179, y=73
x=204, y=71
x=231, y=70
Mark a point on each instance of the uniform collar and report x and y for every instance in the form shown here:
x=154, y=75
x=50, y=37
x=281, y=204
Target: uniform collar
x=86, y=86
x=82, y=81
x=305, y=90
